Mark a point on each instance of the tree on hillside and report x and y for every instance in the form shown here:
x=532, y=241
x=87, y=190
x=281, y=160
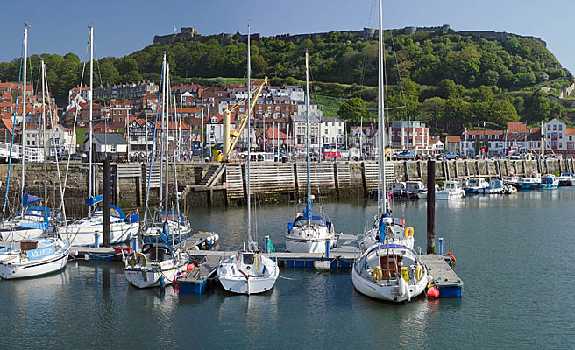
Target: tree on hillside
x=353, y=110
x=537, y=107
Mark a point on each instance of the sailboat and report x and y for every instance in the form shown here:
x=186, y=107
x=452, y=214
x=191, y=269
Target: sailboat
x=388, y=269
x=27, y=257
x=89, y=231
x=33, y=220
x=248, y=271
x=159, y=263
x=309, y=233
x=177, y=226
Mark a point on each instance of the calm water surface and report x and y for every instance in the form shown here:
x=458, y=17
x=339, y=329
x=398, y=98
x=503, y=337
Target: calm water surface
x=515, y=255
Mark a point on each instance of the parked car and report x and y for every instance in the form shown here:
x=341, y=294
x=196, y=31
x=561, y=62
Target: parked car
x=405, y=154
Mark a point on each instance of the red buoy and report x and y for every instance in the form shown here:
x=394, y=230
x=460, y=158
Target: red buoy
x=190, y=267
x=433, y=293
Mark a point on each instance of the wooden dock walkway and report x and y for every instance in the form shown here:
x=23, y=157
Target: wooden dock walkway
x=450, y=285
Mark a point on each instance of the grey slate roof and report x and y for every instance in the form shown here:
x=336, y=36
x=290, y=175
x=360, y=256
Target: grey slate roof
x=110, y=139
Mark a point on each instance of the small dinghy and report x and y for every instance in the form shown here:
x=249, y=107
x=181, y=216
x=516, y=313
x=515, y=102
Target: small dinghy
x=34, y=258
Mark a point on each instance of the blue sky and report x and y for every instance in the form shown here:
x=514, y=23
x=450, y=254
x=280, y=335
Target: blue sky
x=122, y=26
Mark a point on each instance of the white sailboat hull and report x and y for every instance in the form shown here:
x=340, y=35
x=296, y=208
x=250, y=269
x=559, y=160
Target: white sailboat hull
x=239, y=279
x=302, y=245
x=85, y=234
x=9, y=270
x=397, y=292
x=251, y=285
x=142, y=277
x=450, y=195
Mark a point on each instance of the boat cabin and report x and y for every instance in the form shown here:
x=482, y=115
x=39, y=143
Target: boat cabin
x=477, y=182
x=451, y=185
x=414, y=186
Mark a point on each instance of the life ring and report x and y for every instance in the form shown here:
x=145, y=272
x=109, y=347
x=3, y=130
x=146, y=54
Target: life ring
x=409, y=232
x=418, y=272
x=377, y=274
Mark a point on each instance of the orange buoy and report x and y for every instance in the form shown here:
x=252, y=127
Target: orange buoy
x=452, y=258
x=433, y=293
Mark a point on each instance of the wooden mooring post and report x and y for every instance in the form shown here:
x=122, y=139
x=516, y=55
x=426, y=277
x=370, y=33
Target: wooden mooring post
x=431, y=207
x=106, y=201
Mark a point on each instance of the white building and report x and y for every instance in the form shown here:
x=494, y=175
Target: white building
x=300, y=131
x=59, y=140
x=333, y=132
x=112, y=145
x=558, y=137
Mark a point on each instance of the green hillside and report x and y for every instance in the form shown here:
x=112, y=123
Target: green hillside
x=447, y=78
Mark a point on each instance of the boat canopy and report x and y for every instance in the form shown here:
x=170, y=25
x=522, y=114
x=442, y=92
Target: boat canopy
x=37, y=211
x=308, y=216
x=30, y=199
x=93, y=200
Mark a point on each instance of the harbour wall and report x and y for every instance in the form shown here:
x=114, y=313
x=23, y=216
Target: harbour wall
x=214, y=184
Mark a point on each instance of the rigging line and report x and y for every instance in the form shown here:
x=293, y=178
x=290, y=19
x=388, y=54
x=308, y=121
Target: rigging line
x=50, y=111
x=401, y=91
x=5, y=205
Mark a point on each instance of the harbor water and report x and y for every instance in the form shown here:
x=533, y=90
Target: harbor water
x=514, y=253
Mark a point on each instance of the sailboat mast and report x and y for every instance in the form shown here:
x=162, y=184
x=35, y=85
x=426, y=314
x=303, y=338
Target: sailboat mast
x=307, y=136
x=162, y=150
x=43, y=72
x=23, y=154
x=167, y=124
x=382, y=193
x=90, y=117
x=249, y=191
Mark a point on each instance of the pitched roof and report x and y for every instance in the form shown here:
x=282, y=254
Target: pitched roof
x=516, y=127
x=453, y=139
x=109, y=139
x=484, y=132
x=570, y=131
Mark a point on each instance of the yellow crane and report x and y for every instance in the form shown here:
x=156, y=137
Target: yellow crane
x=231, y=136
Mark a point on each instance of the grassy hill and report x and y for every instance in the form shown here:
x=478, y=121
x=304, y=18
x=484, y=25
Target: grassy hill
x=447, y=78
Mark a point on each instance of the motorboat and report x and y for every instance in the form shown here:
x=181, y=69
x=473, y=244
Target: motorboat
x=415, y=190
x=496, y=186
x=390, y=272
x=32, y=258
x=399, y=189
x=476, y=185
x=566, y=179
x=529, y=183
x=549, y=182
x=451, y=190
